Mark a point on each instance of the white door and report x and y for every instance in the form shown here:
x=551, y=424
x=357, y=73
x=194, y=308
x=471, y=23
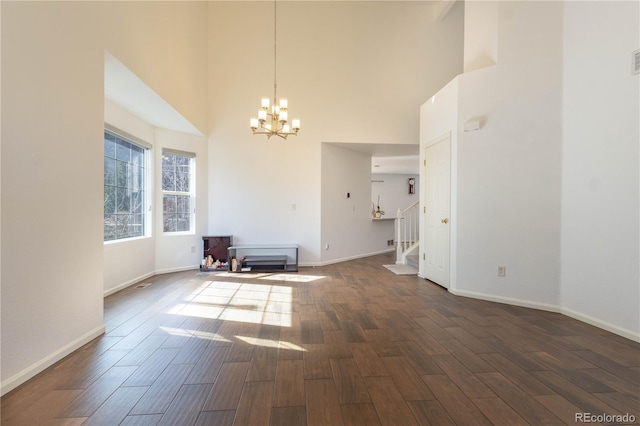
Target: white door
x=437, y=209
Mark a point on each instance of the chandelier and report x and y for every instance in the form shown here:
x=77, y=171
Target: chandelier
x=273, y=116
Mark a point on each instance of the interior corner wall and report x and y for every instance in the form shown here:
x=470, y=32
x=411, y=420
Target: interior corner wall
x=600, y=167
x=52, y=207
x=352, y=72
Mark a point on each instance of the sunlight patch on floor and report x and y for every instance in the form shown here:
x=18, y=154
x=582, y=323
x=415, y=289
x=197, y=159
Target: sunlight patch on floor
x=193, y=333
x=237, y=275
x=293, y=278
x=240, y=302
x=256, y=341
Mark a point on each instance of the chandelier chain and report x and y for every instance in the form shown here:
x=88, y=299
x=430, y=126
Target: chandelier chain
x=275, y=50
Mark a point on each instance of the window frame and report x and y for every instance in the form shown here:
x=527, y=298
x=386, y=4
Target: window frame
x=145, y=210
x=191, y=193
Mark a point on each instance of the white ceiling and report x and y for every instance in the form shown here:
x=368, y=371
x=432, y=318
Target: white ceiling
x=388, y=158
x=124, y=88
x=401, y=165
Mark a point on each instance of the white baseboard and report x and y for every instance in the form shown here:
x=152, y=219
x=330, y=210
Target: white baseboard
x=127, y=284
x=18, y=379
x=628, y=334
x=179, y=269
x=346, y=259
x=145, y=276
x=507, y=300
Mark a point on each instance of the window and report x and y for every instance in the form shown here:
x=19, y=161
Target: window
x=124, y=188
x=177, y=191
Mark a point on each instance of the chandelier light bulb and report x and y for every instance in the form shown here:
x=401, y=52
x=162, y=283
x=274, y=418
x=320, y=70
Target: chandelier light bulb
x=265, y=103
x=262, y=115
x=283, y=116
x=283, y=104
x=295, y=124
x=254, y=123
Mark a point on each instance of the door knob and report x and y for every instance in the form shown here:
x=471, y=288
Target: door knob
x=445, y=220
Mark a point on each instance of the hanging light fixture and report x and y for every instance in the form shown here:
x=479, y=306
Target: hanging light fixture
x=273, y=116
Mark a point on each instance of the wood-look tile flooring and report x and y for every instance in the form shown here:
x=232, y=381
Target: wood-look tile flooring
x=348, y=344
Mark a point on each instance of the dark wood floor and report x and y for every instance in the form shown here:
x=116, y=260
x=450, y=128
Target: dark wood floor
x=343, y=344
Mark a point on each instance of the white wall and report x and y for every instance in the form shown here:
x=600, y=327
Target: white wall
x=347, y=225
x=600, y=190
x=53, y=122
x=393, y=190
x=352, y=72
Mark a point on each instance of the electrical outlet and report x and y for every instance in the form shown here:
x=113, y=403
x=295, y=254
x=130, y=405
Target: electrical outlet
x=502, y=271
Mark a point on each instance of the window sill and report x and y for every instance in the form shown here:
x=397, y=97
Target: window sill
x=126, y=240
x=177, y=234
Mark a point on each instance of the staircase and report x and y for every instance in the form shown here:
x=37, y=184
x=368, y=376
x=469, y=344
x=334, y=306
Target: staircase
x=407, y=235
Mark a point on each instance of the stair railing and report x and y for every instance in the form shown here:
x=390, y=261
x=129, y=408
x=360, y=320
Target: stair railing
x=406, y=231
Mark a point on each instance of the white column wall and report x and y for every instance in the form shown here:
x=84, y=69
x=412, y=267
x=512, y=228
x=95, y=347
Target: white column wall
x=52, y=123
x=52, y=157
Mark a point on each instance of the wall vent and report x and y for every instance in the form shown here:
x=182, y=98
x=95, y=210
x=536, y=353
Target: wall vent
x=635, y=62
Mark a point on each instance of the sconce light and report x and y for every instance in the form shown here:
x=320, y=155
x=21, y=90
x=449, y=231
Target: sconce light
x=472, y=125
x=412, y=186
